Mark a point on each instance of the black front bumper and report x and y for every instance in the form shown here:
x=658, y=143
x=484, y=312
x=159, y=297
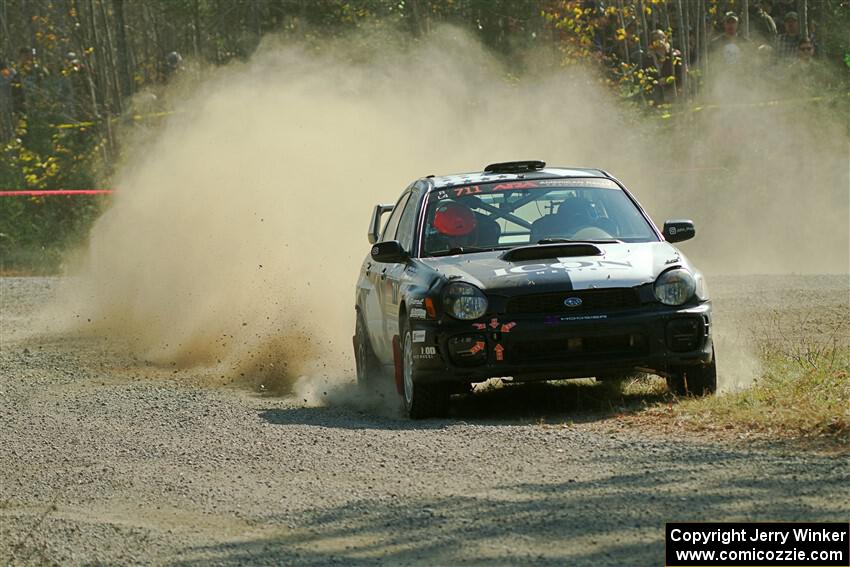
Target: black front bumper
x=654, y=338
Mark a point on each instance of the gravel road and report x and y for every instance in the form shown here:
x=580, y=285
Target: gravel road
x=106, y=460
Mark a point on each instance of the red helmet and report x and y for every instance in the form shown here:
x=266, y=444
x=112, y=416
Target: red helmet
x=454, y=219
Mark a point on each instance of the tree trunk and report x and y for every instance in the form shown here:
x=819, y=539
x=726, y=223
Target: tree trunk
x=644, y=31
x=803, y=7
x=123, y=53
x=623, y=26
x=110, y=60
x=196, y=28
x=683, y=46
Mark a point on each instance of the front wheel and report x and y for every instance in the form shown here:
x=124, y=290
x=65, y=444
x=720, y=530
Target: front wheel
x=694, y=380
x=420, y=400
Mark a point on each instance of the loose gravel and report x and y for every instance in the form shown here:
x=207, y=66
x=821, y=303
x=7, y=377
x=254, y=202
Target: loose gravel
x=106, y=460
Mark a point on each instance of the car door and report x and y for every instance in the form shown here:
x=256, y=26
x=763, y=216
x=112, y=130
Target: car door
x=394, y=274
x=377, y=273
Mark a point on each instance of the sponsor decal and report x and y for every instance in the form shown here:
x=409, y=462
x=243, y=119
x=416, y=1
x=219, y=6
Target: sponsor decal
x=506, y=328
x=555, y=319
x=464, y=191
x=479, y=326
x=494, y=323
x=573, y=301
x=567, y=183
x=477, y=347
x=584, y=317
x=426, y=353
x=500, y=352
x=419, y=336
x=515, y=185
x=565, y=265
x=418, y=313
x=415, y=302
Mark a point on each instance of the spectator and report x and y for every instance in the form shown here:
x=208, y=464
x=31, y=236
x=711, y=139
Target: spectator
x=729, y=46
x=28, y=88
x=789, y=40
x=72, y=88
x=663, y=65
x=805, y=51
x=173, y=64
x=762, y=25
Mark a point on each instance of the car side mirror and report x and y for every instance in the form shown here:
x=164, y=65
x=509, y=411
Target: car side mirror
x=679, y=230
x=375, y=223
x=389, y=252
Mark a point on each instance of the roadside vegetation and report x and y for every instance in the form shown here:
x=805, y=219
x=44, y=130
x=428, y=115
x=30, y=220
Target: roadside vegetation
x=802, y=393
x=72, y=74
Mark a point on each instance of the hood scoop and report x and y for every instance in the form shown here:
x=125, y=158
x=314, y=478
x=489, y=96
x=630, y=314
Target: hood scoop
x=544, y=251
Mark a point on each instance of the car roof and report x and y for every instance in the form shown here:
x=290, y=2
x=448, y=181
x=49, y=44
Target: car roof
x=443, y=181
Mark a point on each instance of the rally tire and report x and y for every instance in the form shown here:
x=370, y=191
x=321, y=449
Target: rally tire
x=421, y=401
x=694, y=380
x=366, y=363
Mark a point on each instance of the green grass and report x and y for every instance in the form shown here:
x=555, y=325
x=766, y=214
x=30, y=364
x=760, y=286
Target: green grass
x=802, y=393
x=32, y=262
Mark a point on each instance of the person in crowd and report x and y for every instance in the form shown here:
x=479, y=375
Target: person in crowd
x=762, y=25
x=789, y=40
x=805, y=51
x=28, y=88
x=73, y=88
x=728, y=47
x=663, y=65
x=173, y=64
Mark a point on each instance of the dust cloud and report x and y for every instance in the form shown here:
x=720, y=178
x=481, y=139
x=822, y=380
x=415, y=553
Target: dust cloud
x=237, y=230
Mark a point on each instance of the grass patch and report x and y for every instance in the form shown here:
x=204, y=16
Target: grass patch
x=802, y=393
x=33, y=261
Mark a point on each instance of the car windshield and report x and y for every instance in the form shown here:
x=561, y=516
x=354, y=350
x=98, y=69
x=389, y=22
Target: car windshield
x=507, y=214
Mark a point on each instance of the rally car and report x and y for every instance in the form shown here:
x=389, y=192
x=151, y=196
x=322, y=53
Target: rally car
x=526, y=272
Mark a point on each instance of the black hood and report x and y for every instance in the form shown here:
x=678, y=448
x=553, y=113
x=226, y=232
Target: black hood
x=604, y=266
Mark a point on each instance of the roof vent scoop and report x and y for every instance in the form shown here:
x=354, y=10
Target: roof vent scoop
x=515, y=166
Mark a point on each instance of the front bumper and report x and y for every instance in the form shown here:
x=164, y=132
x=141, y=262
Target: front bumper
x=653, y=338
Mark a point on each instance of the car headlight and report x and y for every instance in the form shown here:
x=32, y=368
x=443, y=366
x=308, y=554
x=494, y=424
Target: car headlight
x=675, y=287
x=464, y=301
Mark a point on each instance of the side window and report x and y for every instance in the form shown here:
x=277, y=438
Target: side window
x=392, y=224
x=406, y=225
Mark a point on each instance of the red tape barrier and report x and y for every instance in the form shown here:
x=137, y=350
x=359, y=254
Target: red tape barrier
x=55, y=192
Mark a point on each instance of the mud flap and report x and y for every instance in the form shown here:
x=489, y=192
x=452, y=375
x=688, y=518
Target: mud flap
x=397, y=369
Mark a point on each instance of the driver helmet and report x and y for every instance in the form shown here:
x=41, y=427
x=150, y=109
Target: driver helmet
x=454, y=219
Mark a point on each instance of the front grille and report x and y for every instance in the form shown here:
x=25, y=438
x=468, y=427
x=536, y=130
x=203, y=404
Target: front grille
x=592, y=300
x=577, y=348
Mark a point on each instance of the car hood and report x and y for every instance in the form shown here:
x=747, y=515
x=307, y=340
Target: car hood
x=616, y=265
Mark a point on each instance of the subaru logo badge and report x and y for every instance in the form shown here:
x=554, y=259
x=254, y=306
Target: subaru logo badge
x=572, y=301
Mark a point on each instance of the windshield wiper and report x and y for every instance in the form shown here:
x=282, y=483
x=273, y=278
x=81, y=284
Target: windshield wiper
x=466, y=250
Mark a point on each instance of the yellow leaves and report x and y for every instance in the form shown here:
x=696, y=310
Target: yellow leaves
x=620, y=34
